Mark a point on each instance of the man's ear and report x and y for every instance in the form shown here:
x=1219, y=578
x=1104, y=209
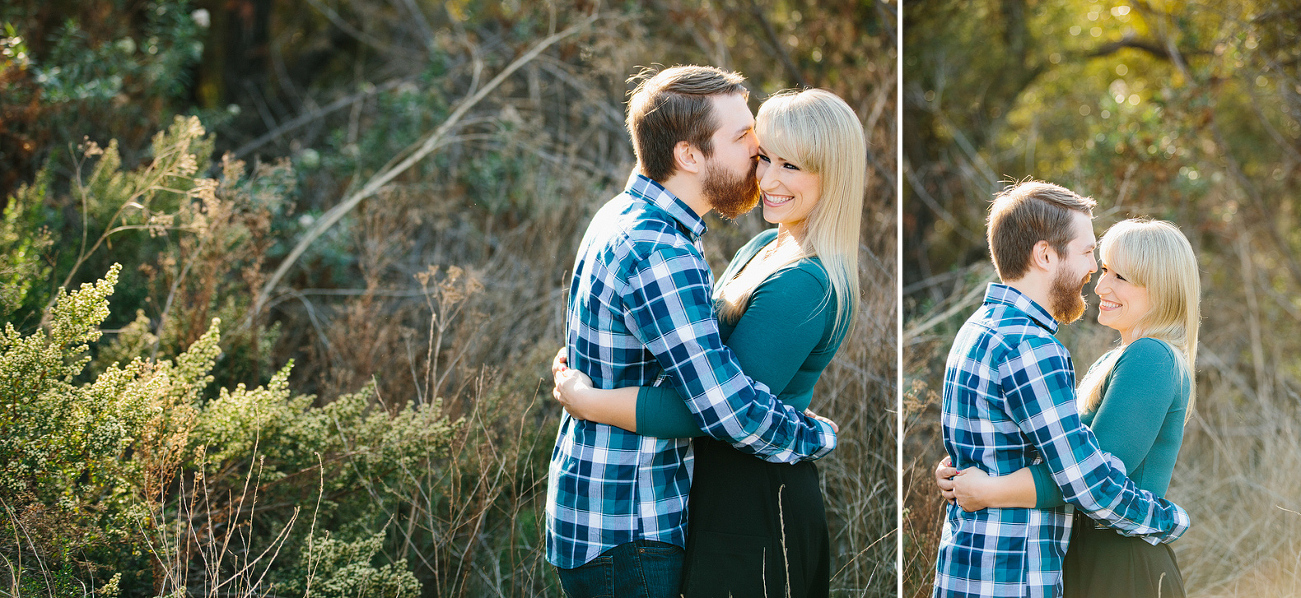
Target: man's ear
x=688, y=158
x=1043, y=256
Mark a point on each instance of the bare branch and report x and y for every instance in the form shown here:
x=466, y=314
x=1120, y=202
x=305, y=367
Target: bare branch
x=431, y=142
x=319, y=113
x=345, y=27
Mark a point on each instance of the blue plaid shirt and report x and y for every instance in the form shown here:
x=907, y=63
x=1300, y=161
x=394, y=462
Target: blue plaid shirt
x=639, y=308
x=1009, y=400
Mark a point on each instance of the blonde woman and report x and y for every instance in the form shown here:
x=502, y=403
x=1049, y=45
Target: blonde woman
x=784, y=305
x=1136, y=399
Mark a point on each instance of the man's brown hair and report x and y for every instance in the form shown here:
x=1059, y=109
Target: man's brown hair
x=1022, y=215
x=674, y=105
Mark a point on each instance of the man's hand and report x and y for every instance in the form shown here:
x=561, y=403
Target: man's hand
x=571, y=390
x=811, y=415
x=972, y=489
x=569, y=384
x=944, y=473
x=560, y=363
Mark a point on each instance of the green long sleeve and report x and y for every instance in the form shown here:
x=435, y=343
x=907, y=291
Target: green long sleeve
x=1139, y=421
x=782, y=340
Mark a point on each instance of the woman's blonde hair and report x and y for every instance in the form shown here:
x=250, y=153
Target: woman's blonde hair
x=820, y=133
x=1153, y=254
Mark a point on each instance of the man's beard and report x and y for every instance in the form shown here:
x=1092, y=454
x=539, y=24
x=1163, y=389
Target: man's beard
x=1066, y=303
x=728, y=194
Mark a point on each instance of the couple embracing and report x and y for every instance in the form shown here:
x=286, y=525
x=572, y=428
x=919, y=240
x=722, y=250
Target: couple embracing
x=1025, y=453
x=683, y=463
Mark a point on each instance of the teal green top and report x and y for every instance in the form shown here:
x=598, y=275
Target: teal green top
x=1140, y=419
x=784, y=339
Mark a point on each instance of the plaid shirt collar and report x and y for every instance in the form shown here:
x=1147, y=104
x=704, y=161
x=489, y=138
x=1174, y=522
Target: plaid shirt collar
x=645, y=189
x=1010, y=296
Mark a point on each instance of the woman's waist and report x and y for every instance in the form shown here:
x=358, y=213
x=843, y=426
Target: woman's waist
x=718, y=458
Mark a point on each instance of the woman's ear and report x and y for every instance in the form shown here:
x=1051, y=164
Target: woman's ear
x=688, y=158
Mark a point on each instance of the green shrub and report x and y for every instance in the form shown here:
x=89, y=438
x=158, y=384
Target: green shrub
x=121, y=461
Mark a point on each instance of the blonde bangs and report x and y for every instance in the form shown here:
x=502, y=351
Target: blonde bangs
x=1118, y=256
x=779, y=127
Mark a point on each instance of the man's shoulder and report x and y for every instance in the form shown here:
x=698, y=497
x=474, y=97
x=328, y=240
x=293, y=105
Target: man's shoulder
x=1004, y=331
x=640, y=227
x=1018, y=328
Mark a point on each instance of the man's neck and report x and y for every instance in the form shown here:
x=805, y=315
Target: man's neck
x=688, y=189
x=1032, y=287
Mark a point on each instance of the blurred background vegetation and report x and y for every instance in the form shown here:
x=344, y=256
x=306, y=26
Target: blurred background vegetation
x=331, y=240
x=1186, y=111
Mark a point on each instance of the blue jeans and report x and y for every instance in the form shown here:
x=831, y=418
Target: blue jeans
x=637, y=569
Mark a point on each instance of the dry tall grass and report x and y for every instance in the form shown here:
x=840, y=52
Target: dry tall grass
x=859, y=387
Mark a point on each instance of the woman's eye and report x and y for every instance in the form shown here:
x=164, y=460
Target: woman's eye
x=763, y=158
x=791, y=166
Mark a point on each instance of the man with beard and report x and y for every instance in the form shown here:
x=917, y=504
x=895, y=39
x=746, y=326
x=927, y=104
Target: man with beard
x=639, y=310
x=1009, y=401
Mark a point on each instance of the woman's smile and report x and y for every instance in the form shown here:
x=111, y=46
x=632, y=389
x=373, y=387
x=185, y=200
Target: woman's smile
x=776, y=200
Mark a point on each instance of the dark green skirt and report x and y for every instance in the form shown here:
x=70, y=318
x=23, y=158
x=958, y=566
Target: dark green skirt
x=754, y=528
x=1103, y=563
